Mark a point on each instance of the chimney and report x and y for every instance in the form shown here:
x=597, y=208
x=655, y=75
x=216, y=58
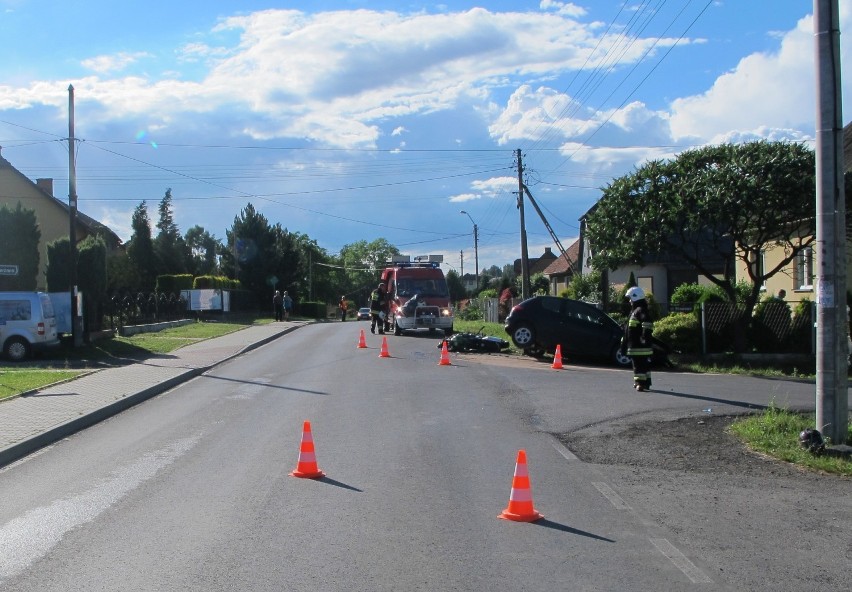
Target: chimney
x=547, y=252
x=45, y=185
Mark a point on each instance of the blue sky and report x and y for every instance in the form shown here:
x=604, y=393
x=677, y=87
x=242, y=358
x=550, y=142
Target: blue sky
x=351, y=120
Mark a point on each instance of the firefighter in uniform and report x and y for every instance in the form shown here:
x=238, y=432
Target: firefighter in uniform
x=377, y=308
x=637, y=342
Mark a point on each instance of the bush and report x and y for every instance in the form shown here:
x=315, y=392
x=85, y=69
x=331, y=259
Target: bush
x=770, y=326
x=174, y=283
x=800, y=339
x=680, y=330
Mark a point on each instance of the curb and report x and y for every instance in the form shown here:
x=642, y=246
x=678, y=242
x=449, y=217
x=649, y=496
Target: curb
x=25, y=447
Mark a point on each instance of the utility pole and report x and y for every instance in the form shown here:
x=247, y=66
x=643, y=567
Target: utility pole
x=475, y=245
x=461, y=263
x=525, y=262
x=832, y=400
x=76, y=333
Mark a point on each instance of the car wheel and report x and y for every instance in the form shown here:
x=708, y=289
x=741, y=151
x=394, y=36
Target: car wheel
x=523, y=337
x=620, y=359
x=16, y=349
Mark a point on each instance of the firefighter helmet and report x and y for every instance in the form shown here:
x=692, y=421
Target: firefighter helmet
x=635, y=294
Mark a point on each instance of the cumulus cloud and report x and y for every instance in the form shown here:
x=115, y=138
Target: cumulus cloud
x=487, y=188
x=106, y=64
x=333, y=77
x=764, y=96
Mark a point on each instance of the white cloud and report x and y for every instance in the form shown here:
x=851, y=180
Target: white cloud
x=333, y=77
x=398, y=131
x=463, y=197
x=565, y=8
x=113, y=63
x=766, y=95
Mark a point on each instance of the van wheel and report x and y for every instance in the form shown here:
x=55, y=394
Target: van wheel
x=16, y=349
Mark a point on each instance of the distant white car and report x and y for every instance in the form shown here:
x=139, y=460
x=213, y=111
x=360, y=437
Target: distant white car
x=364, y=314
x=27, y=324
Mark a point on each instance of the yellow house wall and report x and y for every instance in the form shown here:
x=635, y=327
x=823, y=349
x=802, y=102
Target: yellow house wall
x=785, y=279
x=52, y=219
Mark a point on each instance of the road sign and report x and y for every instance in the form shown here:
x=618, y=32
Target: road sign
x=8, y=270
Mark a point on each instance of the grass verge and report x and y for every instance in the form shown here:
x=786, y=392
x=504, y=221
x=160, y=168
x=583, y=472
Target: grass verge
x=15, y=382
x=775, y=432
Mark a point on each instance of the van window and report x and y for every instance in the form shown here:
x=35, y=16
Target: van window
x=15, y=310
x=46, y=306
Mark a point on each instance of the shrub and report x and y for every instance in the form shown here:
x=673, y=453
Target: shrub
x=681, y=330
x=800, y=339
x=770, y=325
x=174, y=283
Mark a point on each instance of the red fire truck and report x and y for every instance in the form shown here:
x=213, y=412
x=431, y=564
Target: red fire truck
x=418, y=296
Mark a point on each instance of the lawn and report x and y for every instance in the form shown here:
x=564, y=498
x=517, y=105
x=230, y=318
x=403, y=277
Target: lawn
x=15, y=382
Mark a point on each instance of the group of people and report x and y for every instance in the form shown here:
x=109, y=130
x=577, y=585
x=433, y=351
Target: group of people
x=282, y=304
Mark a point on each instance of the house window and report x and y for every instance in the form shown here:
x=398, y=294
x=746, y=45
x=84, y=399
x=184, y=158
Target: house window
x=646, y=283
x=805, y=269
x=758, y=265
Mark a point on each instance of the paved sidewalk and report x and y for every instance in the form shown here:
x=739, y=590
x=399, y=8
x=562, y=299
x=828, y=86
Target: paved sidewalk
x=32, y=421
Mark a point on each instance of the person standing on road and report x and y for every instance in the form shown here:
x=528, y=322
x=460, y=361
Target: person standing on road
x=277, y=304
x=377, y=309
x=343, y=306
x=637, y=342
x=288, y=305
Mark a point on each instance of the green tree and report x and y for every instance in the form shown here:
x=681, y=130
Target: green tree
x=58, y=271
x=363, y=262
x=202, y=248
x=140, y=249
x=19, y=246
x=264, y=257
x=169, y=245
x=728, y=202
x=455, y=286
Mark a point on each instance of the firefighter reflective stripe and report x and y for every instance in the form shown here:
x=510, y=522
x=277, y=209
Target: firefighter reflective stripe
x=648, y=325
x=640, y=351
x=634, y=323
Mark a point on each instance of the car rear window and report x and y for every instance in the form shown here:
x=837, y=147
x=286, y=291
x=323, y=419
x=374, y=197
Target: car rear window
x=15, y=310
x=551, y=304
x=47, y=306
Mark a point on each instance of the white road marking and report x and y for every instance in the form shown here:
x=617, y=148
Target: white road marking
x=609, y=494
x=561, y=449
x=689, y=569
x=27, y=538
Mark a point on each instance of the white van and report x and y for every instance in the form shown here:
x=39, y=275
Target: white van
x=27, y=324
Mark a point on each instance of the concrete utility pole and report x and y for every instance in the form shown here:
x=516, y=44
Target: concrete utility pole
x=832, y=400
x=475, y=246
x=525, y=260
x=461, y=264
x=76, y=331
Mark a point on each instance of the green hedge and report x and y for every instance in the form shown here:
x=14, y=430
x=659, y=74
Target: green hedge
x=314, y=310
x=207, y=282
x=681, y=330
x=174, y=283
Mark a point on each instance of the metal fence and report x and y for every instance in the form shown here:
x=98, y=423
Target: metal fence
x=773, y=328
x=144, y=307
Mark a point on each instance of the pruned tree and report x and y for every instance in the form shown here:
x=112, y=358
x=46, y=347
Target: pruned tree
x=729, y=202
x=19, y=239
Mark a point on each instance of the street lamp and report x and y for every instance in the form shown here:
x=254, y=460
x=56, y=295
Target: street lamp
x=475, y=246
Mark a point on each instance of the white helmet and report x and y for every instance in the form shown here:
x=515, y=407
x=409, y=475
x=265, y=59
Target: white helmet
x=635, y=294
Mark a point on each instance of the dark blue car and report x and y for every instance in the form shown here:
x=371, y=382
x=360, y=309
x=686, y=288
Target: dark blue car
x=537, y=325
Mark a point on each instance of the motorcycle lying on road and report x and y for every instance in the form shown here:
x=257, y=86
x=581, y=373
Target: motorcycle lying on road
x=475, y=342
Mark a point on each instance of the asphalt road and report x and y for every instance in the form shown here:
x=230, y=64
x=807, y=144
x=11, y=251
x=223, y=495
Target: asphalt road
x=190, y=490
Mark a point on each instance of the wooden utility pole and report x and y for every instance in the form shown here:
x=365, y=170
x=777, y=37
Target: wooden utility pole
x=525, y=261
x=832, y=399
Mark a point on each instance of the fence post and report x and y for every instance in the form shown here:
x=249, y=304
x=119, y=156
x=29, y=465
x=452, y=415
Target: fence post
x=703, y=330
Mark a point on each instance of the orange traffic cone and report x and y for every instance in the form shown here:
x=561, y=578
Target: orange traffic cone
x=384, y=353
x=557, y=358
x=307, y=466
x=445, y=355
x=362, y=341
x=520, y=508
